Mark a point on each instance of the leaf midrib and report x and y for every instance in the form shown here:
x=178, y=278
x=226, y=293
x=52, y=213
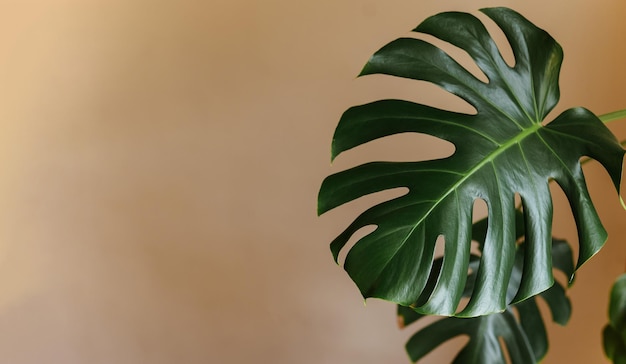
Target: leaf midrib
x=488, y=159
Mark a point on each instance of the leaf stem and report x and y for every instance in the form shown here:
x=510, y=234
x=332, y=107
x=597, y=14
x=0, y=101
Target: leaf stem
x=613, y=116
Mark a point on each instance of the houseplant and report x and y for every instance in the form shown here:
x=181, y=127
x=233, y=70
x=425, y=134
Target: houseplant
x=504, y=149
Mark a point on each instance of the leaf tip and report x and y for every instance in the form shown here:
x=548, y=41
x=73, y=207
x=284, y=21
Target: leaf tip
x=320, y=208
x=363, y=72
x=334, y=152
x=368, y=69
x=323, y=197
x=571, y=280
x=621, y=201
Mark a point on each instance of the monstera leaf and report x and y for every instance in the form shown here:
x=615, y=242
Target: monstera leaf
x=502, y=149
x=523, y=334
x=614, y=334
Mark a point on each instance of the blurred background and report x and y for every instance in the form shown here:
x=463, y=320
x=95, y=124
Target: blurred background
x=160, y=162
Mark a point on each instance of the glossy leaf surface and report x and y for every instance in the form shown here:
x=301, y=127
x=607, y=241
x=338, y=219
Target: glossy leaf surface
x=524, y=335
x=503, y=149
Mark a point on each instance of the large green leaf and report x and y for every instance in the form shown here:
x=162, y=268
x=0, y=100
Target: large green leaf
x=524, y=335
x=614, y=334
x=502, y=149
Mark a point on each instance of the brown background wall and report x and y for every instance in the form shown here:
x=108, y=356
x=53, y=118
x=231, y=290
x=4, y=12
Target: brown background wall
x=160, y=162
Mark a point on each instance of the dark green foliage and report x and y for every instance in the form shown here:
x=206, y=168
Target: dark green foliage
x=525, y=338
x=502, y=150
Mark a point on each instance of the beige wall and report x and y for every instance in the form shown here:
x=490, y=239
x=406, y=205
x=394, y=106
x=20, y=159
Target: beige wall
x=159, y=168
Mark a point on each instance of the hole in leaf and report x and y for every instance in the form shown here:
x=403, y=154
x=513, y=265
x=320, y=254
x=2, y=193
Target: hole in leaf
x=519, y=205
x=480, y=209
x=504, y=47
x=469, y=285
x=505, y=350
x=475, y=248
x=515, y=312
x=364, y=231
x=347, y=211
x=546, y=314
x=462, y=304
x=458, y=54
x=404, y=147
x=518, y=200
x=479, y=213
x=564, y=224
x=440, y=246
x=421, y=92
